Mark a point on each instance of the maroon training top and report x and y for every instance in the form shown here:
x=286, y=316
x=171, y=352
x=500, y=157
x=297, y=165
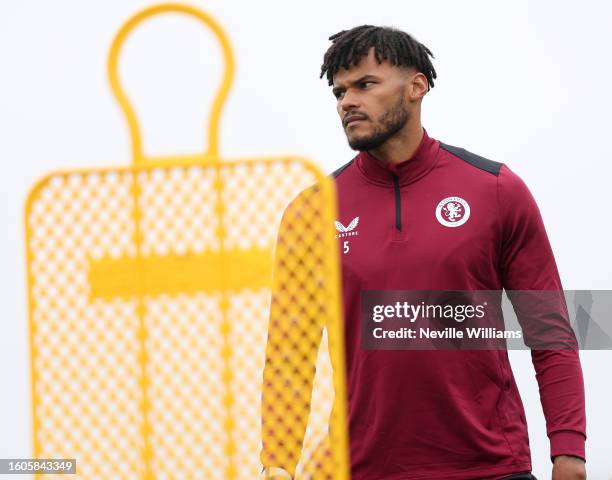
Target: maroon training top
x=446, y=414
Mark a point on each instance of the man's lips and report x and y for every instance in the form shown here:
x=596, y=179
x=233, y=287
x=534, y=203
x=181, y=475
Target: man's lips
x=353, y=118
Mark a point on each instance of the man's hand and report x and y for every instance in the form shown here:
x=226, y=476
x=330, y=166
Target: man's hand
x=566, y=467
x=275, y=473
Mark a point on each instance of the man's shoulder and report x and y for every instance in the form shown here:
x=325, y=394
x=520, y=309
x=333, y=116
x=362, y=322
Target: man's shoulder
x=336, y=173
x=473, y=159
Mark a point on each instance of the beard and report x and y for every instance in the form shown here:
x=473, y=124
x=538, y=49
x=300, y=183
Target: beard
x=388, y=124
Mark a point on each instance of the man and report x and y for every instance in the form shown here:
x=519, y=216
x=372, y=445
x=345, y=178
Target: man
x=436, y=414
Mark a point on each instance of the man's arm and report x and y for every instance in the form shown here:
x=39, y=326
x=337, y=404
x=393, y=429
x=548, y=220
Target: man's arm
x=527, y=263
x=294, y=336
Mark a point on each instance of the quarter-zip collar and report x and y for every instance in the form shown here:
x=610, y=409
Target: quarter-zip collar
x=407, y=171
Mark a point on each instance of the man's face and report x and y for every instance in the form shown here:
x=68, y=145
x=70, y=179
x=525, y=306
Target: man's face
x=371, y=101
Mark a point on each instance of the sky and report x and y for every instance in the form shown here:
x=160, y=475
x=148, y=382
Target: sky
x=525, y=83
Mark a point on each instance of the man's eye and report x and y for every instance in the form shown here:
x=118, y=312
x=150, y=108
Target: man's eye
x=338, y=95
x=364, y=84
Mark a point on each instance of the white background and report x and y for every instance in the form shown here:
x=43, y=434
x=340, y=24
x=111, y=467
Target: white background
x=525, y=83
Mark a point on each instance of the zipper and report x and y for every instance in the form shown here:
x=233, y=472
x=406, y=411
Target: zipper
x=398, y=204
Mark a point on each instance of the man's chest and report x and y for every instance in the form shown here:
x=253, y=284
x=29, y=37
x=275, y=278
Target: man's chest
x=421, y=238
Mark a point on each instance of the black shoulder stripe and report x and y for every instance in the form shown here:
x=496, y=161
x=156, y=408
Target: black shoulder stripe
x=336, y=173
x=473, y=159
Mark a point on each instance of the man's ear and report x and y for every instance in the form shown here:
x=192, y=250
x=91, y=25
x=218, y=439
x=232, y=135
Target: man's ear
x=418, y=86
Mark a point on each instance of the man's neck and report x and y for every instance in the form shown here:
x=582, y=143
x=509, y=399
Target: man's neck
x=401, y=146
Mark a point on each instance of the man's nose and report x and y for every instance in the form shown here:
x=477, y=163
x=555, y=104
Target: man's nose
x=349, y=101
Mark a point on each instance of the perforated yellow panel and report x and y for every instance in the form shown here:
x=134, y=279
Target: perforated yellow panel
x=127, y=395
x=176, y=324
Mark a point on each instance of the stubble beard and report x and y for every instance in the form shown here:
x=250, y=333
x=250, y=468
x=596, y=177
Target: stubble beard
x=389, y=123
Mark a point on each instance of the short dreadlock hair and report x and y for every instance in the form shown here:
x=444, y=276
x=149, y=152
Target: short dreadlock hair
x=401, y=49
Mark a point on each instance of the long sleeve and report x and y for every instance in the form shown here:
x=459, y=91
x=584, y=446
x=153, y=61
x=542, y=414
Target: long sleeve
x=528, y=264
x=294, y=336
